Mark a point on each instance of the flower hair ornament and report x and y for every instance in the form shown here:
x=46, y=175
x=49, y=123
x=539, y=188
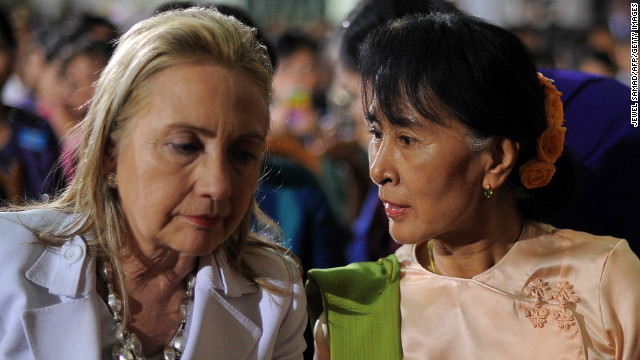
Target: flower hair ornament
x=538, y=172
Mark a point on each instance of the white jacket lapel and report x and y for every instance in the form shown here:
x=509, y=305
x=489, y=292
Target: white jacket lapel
x=64, y=331
x=232, y=335
x=64, y=271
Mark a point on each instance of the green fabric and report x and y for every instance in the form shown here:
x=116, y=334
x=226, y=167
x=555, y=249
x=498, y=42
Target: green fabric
x=362, y=304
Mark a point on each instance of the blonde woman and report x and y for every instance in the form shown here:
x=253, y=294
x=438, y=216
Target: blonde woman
x=149, y=252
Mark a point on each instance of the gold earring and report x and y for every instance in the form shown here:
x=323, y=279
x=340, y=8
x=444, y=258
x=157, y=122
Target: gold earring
x=112, y=182
x=487, y=192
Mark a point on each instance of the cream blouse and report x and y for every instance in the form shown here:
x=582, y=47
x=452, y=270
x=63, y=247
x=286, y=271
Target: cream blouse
x=562, y=295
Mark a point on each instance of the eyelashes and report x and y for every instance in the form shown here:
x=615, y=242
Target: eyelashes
x=377, y=134
x=239, y=153
x=186, y=148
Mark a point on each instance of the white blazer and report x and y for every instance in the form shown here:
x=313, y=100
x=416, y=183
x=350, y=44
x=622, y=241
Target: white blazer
x=49, y=307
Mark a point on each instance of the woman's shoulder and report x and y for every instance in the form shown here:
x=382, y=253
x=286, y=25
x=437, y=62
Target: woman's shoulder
x=18, y=228
x=581, y=240
x=20, y=244
x=273, y=264
x=356, y=277
x=380, y=267
x=31, y=221
x=584, y=249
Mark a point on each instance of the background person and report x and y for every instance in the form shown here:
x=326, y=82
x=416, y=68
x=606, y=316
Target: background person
x=149, y=251
x=28, y=146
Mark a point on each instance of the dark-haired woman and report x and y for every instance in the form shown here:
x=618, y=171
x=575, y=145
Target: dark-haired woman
x=467, y=152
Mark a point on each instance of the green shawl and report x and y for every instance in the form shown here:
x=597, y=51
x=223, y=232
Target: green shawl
x=362, y=304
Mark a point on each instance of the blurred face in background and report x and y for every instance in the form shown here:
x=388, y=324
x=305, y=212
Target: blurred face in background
x=297, y=71
x=294, y=83
x=349, y=81
x=79, y=75
x=33, y=66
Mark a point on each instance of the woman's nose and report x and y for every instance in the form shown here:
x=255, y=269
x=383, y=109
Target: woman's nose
x=381, y=164
x=214, y=178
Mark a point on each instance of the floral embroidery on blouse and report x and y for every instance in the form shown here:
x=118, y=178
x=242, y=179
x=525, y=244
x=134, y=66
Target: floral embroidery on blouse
x=564, y=318
x=563, y=295
x=563, y=292
x=538, y=289
x=537, y=316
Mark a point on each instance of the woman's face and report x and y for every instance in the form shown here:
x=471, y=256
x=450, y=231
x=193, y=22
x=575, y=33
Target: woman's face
x=79, y=75
x=428, y=178
x=188, y=166
x=349, y=80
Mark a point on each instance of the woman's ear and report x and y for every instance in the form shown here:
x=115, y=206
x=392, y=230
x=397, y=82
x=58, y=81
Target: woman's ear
x=109, y=162
x=502, y=154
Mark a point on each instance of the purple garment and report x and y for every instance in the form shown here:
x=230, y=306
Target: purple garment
x=606, y=147
x=35, y=147
x=370, y=232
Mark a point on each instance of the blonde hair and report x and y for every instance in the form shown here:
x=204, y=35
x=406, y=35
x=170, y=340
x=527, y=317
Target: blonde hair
x=154, y=44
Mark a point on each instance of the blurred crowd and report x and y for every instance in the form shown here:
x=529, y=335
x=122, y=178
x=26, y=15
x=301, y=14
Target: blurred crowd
x=315, y=183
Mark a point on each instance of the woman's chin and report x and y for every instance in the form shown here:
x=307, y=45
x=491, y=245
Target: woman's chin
x=403, y=234
x=197, y=246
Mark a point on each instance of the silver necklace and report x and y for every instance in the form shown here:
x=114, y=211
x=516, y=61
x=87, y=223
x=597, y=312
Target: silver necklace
x=127, y=345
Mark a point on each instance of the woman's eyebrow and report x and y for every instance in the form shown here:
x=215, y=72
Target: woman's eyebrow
x=371, y=118
x=249, y=134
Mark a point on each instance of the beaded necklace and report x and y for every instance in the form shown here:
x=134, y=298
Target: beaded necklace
x=127, y=345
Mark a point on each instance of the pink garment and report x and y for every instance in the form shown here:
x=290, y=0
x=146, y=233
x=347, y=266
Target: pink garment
x=565, y=295
x=68, y=158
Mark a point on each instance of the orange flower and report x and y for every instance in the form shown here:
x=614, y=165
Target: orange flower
x=536, y=173
x=550, y=144
x=552, y=102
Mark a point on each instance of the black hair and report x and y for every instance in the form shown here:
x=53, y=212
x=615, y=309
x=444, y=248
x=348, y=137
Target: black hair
x=292, y=40
x=76, y=30
x=98, y=51
x=454, y=66
x=369, y=14
x=246, y=19
x=175, y=5
x=7, y=36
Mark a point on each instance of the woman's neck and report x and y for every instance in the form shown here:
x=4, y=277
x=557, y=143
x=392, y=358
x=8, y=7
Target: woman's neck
x=162, y=272
x=155, y=289
x=478, y=246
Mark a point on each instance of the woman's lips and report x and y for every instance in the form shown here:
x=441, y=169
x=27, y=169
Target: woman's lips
x=394, y=211
x=203, y=220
